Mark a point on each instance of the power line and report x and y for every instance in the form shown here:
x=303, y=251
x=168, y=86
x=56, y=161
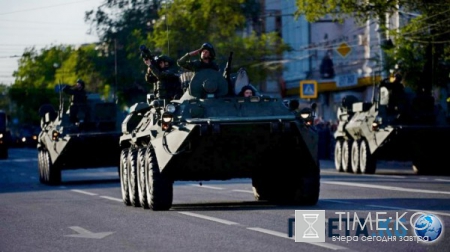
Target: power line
x=44, y=7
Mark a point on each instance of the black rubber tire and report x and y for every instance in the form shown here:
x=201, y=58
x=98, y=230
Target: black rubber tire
x=355, y=156
x=52, y=174
x=132, y=178
x=159, y=189
x=141, y=160
x=124, y=177
x=346, y=155
x=41, y=166
x=367, y=161
x=260, y=190
x=301, y=189
x=338, y=155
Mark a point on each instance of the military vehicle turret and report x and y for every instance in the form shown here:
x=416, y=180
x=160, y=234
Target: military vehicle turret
x=82, y=137
x=210, y=134
x=398, y=125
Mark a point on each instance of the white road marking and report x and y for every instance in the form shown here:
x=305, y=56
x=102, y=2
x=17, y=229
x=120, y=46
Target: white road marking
x=271, y=232
x=84, y=192
x=371, y=175
x=443, y=180
x=338, y=201
x=209, y=187
x=111, y=198
x=412, y=210
x=388, y=207
x=391, y=188
x=83, y=233
x=21, y=160
x=244, y=191
x=283, y=235
x=226, y=222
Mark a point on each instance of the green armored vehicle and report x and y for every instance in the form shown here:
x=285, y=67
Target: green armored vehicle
x=83, y=137
x=398, y=125
x=213, y=134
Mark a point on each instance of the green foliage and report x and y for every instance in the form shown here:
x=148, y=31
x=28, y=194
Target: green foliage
x=186, y=25
x=114, y=68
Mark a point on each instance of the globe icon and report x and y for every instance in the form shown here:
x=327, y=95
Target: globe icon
x=429, y=227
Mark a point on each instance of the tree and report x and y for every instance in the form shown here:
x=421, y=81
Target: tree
x=35, y=80
x=221, y=23
x=427, y=28
x=171, y=28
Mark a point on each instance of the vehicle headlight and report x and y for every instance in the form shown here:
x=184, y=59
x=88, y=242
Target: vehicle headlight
x=55, y=135
x=1, y=135
x=167, y=119
x=376, y=123
x=305, y=113
x=171, y=108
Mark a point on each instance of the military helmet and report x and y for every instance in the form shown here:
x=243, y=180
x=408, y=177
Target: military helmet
x=164, y=58
x=210, y=48
x=81, y=82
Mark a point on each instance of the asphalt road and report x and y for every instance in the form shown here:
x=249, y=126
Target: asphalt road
x=86, y=213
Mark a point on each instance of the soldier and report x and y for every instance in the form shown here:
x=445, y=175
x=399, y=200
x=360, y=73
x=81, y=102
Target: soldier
x=78, y=99
x=247, y=91
x=396, y=93
x=164, y=77
x=77, y=91
x=207, y=55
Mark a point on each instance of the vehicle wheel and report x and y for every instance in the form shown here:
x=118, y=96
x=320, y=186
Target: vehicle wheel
x=141, y=177
x=41, y=166
x=52, y=174
x=346, y=155
x=421, y=167
x=355, y=156
x=260, y=188
x=159, y=189
x=132, y=178
x=124, y=177
x=367, y=162
x=308, y=194
x=338, y=155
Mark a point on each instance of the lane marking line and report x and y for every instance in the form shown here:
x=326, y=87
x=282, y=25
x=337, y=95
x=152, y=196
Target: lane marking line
x=111, y=198
x=84, y=192
x=391, y=188
x=244, y=191
x=205, y=217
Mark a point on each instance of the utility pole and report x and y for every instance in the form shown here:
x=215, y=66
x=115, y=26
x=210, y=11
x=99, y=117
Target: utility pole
x=115, y=71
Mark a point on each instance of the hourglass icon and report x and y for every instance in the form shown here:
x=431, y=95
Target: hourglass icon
x=310, y=232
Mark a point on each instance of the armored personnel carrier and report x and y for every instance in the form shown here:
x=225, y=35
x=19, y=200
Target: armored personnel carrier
x=85, y=137
x=398, y=125
x=212, y=134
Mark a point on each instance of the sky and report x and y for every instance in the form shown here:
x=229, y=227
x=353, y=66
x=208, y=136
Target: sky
x=40, y=23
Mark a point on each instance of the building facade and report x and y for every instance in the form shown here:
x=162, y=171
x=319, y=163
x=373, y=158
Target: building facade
x=342, y=58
